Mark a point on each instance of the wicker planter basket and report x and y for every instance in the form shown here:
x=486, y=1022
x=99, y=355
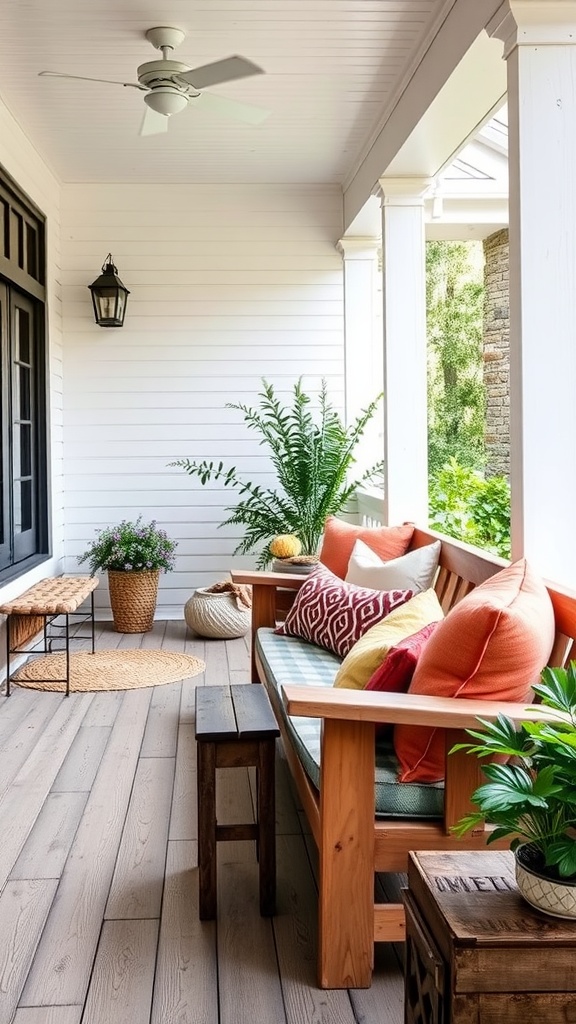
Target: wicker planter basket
x=216, y=615
x=133, y=599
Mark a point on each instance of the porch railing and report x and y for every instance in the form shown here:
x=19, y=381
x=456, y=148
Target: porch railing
x=369, y=506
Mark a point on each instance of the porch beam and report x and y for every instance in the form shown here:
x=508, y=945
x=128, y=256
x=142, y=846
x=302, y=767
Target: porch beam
x=404, y=328
x=540, y=49
x=455, y=79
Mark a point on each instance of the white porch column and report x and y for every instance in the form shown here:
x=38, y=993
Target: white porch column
x=404, y=322
x=540, y=49
x=362, y=348
x=362, y=341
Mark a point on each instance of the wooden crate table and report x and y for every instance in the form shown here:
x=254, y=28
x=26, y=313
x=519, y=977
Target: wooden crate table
x=235, y=728
x=476, y=952
x=37, y=609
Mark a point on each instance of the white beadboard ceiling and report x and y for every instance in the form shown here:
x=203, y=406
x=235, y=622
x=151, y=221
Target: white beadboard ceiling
x=331, y=68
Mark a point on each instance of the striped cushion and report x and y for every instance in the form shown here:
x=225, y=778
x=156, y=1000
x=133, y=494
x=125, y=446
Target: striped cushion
x=287, y=659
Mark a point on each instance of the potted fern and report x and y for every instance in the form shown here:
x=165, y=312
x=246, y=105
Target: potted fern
x=532, y=797
x=311, y=455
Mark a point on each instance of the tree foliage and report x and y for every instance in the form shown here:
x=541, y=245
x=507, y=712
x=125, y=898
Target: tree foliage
x=454, y=296
x=462, y=503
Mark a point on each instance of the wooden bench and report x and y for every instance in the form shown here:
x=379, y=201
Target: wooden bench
x=235, y=728
x=352, y=843
x=37, y=608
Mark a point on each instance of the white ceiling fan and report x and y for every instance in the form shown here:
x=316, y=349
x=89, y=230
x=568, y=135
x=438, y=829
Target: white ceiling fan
x=171, y=86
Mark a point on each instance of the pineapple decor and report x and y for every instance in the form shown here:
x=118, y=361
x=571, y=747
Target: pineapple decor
x=285, y=545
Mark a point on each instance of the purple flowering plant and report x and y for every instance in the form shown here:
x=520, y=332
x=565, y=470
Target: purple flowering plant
x=130, y=547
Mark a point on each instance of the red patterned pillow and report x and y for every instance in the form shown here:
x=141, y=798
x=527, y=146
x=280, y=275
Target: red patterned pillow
x=395, y=673
x=334, y=614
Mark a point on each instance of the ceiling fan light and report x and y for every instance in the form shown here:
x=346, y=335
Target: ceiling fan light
x=167, y=100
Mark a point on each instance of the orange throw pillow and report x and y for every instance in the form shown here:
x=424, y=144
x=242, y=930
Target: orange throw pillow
x=339, y=539
x=491, y=646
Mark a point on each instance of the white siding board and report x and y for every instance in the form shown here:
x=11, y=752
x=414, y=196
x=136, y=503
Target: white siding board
x=208, y=360
x=224, y=291
x=262, y=308
x=228, y=284
x=160, y=322
x=170, y=384
x=144, y=499
x=145, y=481
x=240, y=232
x=179, y=370
x=196, y=260
x=227, y=279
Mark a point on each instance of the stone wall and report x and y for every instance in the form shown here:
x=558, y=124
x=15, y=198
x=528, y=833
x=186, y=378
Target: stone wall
x=496, y=345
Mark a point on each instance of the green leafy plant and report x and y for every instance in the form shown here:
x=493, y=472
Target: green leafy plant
x=311, y=455
x=130, y=547
x=532, y=798
x=462, y=504
x=490, y=511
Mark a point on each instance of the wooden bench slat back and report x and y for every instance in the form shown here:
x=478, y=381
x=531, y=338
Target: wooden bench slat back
x=462, y=568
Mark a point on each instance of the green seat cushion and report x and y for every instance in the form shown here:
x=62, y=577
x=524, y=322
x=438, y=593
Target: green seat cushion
x=288, y=659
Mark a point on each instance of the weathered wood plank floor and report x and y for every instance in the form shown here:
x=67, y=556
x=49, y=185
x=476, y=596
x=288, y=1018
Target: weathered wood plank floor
x=98, y=869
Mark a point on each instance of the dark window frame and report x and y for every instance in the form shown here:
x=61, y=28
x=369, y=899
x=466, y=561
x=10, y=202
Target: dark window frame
x=23, y=290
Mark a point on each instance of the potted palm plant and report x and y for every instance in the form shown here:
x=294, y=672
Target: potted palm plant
x=134, y=555
x=532, y=796
x=311, y=455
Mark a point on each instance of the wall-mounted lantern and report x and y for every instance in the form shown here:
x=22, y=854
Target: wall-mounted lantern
x=109, y=296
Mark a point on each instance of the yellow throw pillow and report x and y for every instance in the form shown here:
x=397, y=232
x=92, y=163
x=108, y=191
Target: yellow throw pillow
x=371, y=649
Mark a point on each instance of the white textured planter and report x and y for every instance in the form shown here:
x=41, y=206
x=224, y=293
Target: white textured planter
x=555, y=898
x=216, y=615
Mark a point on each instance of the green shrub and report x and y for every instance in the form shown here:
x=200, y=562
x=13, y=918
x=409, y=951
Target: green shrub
x=490, y=508
x=463, y=505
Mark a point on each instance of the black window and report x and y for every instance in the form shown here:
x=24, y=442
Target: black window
x=23, y=455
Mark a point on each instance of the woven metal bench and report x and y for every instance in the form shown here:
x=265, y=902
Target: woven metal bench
x=35, y=611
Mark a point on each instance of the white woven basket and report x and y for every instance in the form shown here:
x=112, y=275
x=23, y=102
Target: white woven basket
x=216, y=615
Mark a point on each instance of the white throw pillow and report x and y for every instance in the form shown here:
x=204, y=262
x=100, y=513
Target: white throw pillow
x=414, y=571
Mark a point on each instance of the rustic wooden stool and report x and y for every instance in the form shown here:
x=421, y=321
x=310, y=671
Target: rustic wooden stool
x=235, y=728
x=37, y=609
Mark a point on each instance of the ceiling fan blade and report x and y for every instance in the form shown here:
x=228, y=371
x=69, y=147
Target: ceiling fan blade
x=153, y=123
x=245, y=112
x=226, y=70
x=83, y=78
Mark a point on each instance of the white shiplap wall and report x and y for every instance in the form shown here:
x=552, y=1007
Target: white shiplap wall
x=228, y=284
x=19, y=158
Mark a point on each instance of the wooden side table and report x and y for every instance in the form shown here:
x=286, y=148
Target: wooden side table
x=235, y=728
x=476, y=952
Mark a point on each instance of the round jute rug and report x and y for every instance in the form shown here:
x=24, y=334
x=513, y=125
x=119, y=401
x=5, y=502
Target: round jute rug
x=108, y=670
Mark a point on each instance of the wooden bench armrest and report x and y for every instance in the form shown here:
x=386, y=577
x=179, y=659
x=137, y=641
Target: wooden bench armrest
x=405, y=708
x=289, y=581
x=272, y=595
